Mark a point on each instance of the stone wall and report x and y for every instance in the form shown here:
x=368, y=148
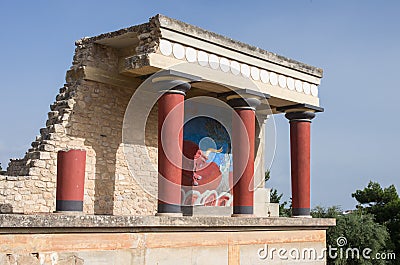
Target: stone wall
x=141, y=240
x=149, y=248
x=26, y=194
x=88, y=114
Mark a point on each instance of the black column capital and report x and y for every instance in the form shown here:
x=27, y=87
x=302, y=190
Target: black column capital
x=170, y=81
x=300, y=116
x=244, y=98
x=244, y=103
x=174, y=86
x=300, y=112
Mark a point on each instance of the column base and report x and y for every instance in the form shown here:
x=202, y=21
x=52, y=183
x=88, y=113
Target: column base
x=69, y=205
x=169, y=210
x=69, y=212
x=247, y=210
x=170, y=214
x=301, y=212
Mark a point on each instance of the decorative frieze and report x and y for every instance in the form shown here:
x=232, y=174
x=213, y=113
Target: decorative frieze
x=228, y=65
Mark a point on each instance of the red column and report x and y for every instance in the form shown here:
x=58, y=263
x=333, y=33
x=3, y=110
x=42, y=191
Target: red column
x=243, y=141
x=170, y=142
x=70, y=180
x=300, y=161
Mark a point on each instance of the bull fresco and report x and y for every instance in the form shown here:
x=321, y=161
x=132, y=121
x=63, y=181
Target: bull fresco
x=207, y=174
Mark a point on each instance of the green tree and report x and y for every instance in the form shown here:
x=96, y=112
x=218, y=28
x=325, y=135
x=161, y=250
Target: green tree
x=322, y=212
x=360, y=231
x=285, y=208
x=276, y=197
x=267, y=175
x=331, y=212
x=384, y=204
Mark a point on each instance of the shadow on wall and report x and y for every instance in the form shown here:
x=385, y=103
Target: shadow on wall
x=100, y=120
x=105, y=173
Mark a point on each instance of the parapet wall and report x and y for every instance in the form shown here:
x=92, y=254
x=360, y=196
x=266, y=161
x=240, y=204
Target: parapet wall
x=141, y=240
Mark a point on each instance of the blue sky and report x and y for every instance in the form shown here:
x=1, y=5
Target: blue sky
x=355, y=42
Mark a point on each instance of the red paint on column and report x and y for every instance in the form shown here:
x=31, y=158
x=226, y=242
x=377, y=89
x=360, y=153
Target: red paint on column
x=243, y=133
x=300, y=163
x=70, y=175
x=170, y=142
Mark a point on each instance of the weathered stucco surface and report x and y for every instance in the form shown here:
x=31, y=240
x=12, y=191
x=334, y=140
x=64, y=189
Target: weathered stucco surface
x=88, y=239
x=149, y=248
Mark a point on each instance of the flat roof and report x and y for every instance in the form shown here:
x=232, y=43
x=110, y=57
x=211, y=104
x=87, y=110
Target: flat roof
x=128, y=36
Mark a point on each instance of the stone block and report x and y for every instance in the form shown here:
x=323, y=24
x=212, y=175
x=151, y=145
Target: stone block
x=71, y=260
x=273, y=209
x=18, y=197
x=199, y=210
x=40, y=184
x=266, y=209
x=206, y=255
x=38, y=163
x=168, y=256
x=46, y=147
x=262, y=195
x=34, y=171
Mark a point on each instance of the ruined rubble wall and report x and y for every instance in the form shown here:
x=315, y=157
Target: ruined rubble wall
x=86, y=115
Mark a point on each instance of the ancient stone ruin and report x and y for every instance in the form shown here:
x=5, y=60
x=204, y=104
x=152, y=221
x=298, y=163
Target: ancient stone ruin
x=155, y=140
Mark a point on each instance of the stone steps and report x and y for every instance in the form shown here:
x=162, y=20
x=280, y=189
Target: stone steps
x=58, y=117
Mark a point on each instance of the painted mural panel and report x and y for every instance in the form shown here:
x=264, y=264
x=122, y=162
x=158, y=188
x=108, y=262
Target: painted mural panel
x=207, y=174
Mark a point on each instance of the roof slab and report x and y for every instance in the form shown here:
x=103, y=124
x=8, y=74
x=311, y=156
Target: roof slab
x=223, y=64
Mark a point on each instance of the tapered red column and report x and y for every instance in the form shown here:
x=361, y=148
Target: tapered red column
x=300, y=161
x=70, y=180
x=170, y=142
x=243, y=140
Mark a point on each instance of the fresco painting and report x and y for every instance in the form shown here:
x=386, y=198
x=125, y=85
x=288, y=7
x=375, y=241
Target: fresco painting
x=207, y=175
